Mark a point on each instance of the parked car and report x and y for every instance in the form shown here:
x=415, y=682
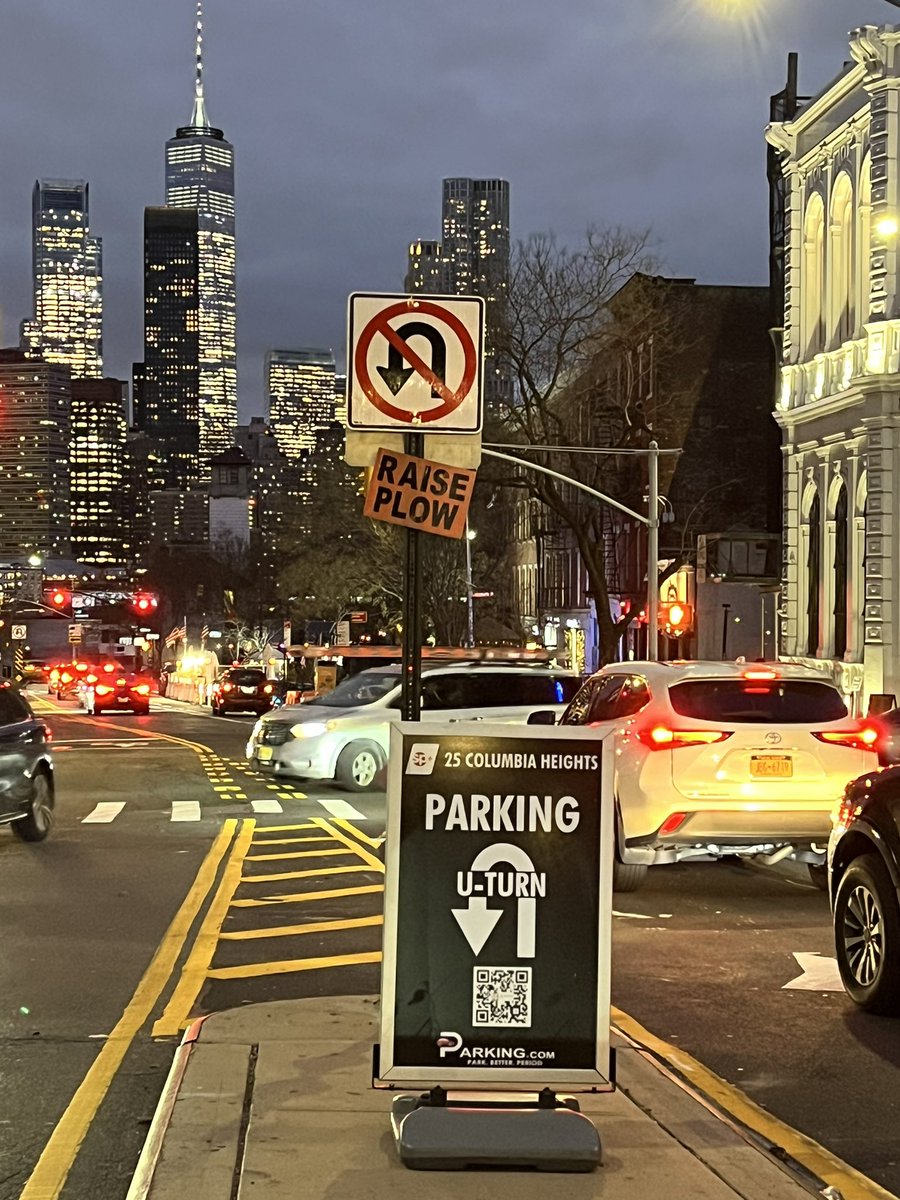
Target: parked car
x=102, y=690
x=716, y=758
x=241, y=689
x=864, y=886
x=26, y=769
x=344, y=734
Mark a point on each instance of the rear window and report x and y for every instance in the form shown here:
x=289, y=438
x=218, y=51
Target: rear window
x=775, y=702
x=246, y=678
x=500, y=689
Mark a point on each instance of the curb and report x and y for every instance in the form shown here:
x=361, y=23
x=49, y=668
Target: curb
x=144, y=1171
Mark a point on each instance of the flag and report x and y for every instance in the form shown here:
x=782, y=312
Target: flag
x=204, y=634
x=177, y=634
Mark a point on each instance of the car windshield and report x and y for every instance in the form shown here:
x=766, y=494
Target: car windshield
x=760, y=701
x=361, y=689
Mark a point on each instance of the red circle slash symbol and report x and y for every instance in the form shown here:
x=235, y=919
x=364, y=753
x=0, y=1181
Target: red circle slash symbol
x=450, y=399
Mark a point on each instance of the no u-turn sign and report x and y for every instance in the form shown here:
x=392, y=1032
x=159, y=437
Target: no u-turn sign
x=415, y=363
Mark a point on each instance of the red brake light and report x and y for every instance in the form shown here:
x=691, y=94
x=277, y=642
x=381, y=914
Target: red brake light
x=142, y=689
x=90, y=678
x=66, y=677
x=660, y=737
x=109, y=667
x=102, y=690
x=121, y=682
x=227, y=687
x=863, y=738
x=671, y=823
x=760, y=673
x=268, y=688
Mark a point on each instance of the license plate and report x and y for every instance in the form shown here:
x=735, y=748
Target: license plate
x=122, y=699
x=264, y=753
x=771, y=766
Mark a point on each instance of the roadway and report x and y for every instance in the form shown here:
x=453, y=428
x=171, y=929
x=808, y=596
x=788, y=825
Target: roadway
x=176, y=883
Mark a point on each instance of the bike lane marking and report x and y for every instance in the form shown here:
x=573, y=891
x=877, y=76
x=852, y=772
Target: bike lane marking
x=48, y=1178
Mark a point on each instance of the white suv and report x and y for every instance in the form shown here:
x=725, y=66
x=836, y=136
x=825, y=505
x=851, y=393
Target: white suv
x=722, y=758
x=345, y=734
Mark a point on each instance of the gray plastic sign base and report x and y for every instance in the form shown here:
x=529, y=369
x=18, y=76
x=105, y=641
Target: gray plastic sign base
x=456, y=1137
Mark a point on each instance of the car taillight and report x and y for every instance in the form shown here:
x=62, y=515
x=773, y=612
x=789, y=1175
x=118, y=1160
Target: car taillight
x=90, y=678
x=142, y=689
x=856, y=739
x=121, y=682
x=109, y=668
x=102, y=690
x=268, y=689
x=671, y=823
x=227, y=687
x=66, y=677
x=660, y=737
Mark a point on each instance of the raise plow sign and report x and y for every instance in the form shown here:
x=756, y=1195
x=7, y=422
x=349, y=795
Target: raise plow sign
x=419, y=494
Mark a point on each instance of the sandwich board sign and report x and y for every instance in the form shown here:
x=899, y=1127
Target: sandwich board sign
x=498, y=905
x=415, y=363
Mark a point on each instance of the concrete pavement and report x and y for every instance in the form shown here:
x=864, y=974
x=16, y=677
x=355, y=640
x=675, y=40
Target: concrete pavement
x=275, y=1101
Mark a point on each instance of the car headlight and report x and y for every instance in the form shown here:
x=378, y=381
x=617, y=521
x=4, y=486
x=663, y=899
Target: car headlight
x=308, y=729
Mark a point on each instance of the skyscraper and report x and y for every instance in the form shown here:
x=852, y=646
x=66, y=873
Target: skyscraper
x=68, y=279
x=301, y=390
x=200, y=177
x=167, y=382
x=35, y=400
x=100, y=520
x=472, y=259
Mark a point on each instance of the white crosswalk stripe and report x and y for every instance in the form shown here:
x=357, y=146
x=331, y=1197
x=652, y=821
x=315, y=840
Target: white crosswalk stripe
x=342, y=808
x=266, y=806
x=185, y=810
x=106, y=811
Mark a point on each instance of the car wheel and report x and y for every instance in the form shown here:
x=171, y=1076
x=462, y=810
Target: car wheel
x=36, y=826
x=627, y=877
x=358, y=766
x=867, y=936
x=142, y=712
x=818, y=874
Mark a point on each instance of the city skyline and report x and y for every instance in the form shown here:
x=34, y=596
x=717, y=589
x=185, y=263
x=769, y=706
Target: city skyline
x=338, y=161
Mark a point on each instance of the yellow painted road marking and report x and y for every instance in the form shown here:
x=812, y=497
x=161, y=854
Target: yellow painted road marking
x=358, y=833
x=319, y=837
x=354, y=870
x=375, y=863
x=194, y=970
x=49, y=1175
x=299, y=964
x=339, y=853
x=283, y=829
x=300, y=897
x=851, y=1184
x=243, y=935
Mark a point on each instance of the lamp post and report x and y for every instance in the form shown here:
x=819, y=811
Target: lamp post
x=470, y=607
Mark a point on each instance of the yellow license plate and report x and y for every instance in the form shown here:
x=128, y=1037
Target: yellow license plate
x=771, y=766
x=264, y=753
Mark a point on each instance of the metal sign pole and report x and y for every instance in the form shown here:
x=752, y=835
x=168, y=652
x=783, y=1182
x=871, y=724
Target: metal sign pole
x=653, y=552
x=411, y=693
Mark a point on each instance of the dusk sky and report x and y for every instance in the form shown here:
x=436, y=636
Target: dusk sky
x=345, y=117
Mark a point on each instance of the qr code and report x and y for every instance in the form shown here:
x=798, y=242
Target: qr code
x=501, y=996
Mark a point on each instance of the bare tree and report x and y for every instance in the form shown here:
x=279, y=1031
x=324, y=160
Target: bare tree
x=584, y=331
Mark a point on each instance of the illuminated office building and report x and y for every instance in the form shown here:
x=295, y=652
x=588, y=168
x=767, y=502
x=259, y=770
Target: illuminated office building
x=35, y=401
x=166, y=391
x=67, y=266
x=100, y=521
x=200, y=178
x=301, y=390
x=472, y=259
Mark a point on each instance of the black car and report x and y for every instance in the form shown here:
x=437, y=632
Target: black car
x=114, y=690
x=241, y=689
x=888, y=744
x=864, y=885
x=26, y=769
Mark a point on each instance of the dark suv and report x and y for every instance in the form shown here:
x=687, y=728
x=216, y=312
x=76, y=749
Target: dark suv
x=864, y=885
x=26, y=769
x=241, y=689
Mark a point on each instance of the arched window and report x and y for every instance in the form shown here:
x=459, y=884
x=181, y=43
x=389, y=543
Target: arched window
x=863, y=240
x=841, y=285
x=813, y=579
x=813, y=278
x=840, y=574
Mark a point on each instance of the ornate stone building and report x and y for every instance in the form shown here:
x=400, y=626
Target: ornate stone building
x=838, y=401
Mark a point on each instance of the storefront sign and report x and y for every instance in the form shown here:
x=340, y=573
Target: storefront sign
x=498, y=904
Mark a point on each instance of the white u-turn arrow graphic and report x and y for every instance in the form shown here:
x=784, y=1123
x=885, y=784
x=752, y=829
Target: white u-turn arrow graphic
x=477, y=921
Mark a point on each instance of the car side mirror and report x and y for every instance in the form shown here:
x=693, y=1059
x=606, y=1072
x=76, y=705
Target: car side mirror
x=543, y=716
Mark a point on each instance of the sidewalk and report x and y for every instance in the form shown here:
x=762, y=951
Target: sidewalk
x=278, y=1097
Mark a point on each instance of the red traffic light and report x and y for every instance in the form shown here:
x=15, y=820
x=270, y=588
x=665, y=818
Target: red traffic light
x=676, y=616
x=145, y=602
x=60, y=598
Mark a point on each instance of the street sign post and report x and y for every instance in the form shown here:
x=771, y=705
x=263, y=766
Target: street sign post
x=75, y=635
x=498, y=902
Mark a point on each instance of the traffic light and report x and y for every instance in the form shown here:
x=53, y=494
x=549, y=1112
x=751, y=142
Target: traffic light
x=676, y=617
x=145, y=603
x=60, y=599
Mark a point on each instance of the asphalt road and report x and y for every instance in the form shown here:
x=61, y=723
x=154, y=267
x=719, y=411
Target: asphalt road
x=701, y=954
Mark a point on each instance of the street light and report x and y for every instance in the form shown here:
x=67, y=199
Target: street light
x=470, y=608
